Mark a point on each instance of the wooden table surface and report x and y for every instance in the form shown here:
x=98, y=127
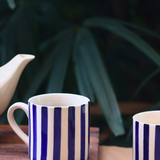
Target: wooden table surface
x=12, y=147
x=114, y=153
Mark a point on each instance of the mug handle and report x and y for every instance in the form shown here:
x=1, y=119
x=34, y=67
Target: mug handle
x=12, y=122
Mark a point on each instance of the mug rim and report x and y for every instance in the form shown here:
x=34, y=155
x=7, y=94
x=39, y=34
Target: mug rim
x=33, y=99
x=145, y=112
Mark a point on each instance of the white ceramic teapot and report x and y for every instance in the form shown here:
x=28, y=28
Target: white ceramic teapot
x=9, y=76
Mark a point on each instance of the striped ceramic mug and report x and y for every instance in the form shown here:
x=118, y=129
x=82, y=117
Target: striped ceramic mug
x=146, y=136
x=58, y=126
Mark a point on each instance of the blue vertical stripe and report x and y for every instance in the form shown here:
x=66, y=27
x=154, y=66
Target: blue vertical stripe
x=136, y=140
x=34, y=132
x=29, y=130
x=44, y=130
x=157, y=143
x=82, y=132
x=88, y=127
x=57, y=133
x=71, y=133
x=146, y=142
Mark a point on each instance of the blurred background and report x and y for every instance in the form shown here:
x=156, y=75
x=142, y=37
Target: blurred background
x=107, y=50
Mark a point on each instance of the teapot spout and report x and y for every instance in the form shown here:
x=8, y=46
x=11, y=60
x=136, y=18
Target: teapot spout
x=9, y=76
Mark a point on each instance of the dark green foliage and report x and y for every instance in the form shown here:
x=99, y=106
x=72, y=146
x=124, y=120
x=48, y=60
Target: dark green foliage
x=71, y=41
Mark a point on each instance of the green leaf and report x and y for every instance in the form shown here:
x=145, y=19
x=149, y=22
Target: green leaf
x=126, y=34
x=143, y=29
x=99, y=80
x=56, y=80
x=11, y=4
x=82, y=76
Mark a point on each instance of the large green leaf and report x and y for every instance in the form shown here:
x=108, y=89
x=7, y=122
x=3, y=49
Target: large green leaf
x=125, y=33
x=99, y=80
x=82, y=76
x=137, y=27
x=11, y=4
x=60, y=64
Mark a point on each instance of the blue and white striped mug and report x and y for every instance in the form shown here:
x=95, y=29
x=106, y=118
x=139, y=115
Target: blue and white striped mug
x=59, y=126
x=146, y=136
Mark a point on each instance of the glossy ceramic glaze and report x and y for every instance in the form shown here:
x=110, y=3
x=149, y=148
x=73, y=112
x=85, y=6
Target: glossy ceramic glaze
x=146, y=136
x=58, y=126
x=9, y=76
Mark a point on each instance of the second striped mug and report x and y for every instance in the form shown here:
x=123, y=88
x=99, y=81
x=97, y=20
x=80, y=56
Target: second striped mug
x=146, y=136
x=59, y=126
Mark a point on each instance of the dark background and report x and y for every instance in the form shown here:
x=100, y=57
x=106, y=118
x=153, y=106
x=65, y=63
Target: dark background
x=32, y=25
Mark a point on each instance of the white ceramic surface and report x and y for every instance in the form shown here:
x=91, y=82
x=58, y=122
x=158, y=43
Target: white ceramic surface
x=9, y=76
x=58, y=126
x=146, y=136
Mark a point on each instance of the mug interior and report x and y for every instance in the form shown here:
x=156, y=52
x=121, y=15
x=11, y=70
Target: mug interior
x=148, y=117
x=59, y=100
